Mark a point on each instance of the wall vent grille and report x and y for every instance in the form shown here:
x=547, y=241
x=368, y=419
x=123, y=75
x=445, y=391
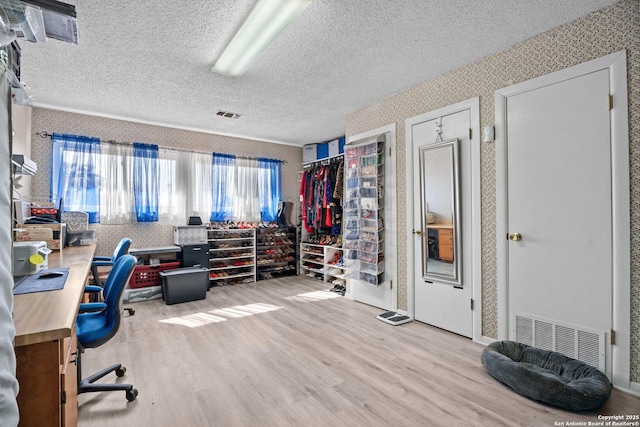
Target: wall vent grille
x=579, y=343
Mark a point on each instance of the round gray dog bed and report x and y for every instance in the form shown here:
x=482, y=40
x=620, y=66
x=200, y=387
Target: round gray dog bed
x=546, y=376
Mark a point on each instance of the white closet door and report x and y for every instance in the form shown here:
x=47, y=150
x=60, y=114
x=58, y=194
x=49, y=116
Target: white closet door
x=439, y=303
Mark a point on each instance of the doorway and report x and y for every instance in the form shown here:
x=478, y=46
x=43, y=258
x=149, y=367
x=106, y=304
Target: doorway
x=562, y=198
x=450, y=303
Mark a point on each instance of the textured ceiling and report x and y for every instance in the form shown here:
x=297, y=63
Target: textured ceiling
x=150, y=60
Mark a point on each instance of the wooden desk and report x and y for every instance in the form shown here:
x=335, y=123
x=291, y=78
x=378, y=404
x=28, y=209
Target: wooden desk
x=445, y=240
x=45, y=344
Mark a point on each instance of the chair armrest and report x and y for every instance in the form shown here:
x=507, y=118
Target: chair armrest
x=102, y=263
x=87, y=307
x=101, y=258
x=92, y=289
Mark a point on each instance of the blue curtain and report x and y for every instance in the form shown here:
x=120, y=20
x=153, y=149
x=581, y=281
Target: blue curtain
x=145, y=181
x=223, y=172
x=269, y=188
x=74, y=173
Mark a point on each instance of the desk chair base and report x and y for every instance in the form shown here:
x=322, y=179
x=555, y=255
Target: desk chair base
x=86, y=385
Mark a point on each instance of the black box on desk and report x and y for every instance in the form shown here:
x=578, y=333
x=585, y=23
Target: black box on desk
x=184, y=284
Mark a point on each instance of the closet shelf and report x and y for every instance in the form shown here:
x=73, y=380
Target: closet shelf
x=324, y=263
x=276, y=252
x=222, y=244
x=234, y=276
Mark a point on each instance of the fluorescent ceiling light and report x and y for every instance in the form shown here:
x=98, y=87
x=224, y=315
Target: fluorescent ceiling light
x=267, y=20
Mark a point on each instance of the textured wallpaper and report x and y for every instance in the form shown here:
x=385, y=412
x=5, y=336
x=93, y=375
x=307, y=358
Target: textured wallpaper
x=598, y=34
x=149, y=234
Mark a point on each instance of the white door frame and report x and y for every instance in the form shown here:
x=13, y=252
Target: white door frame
x=473, y=105
x=621, y=231
x=390, y=220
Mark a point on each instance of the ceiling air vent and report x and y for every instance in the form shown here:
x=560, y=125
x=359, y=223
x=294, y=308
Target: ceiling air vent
x=228, y=115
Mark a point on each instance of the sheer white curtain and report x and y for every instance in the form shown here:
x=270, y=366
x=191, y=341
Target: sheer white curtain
x=246, y=204
x=199, y=185
x=173, y=171
x=116, y=189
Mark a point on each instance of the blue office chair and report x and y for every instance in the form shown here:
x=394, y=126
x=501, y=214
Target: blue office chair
x=105, y=261
x=96, y=328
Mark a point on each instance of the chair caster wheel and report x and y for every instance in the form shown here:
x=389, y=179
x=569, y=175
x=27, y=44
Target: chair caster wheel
x=131, y=311
x=132, y=394
x=120, y=372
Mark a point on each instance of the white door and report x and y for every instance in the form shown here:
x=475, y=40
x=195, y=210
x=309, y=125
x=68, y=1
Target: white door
x=384, y=294
x=436, y=302
x=559, y=207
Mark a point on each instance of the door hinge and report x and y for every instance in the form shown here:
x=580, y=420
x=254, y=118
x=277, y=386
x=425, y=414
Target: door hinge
x=469, y=134
x=610, y=102
x=63, y=397
x=390, y=284
x=389, y=151
x=612, y=337
x=471, y=303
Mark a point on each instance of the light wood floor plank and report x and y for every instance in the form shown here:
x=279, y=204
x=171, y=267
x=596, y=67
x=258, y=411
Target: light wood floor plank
x=303, y=358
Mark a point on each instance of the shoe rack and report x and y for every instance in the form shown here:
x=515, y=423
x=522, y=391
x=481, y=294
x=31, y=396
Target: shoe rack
x=232, y=256
x=276, y=252
x=322, y=261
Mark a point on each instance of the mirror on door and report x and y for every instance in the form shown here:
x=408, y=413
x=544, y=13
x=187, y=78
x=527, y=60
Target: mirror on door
x=440, y=212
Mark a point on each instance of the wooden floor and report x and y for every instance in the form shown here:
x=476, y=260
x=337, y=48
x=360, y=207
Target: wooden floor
x=284, y=352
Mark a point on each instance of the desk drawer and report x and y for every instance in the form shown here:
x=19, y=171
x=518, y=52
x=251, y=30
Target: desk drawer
x=446, y=252
x=445, y=236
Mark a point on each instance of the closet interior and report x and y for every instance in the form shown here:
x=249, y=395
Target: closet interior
x=342, y=211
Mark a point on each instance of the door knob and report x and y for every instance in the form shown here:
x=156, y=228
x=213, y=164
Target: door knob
x=416, y=233
x=515, y=237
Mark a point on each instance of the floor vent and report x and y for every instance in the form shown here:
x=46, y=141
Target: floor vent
x=582, y=344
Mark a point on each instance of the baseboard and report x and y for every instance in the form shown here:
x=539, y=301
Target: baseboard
x=485, y=340
x=634, y=388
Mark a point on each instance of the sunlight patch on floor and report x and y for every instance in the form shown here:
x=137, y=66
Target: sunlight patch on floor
x=220, y=315
x=313, y=296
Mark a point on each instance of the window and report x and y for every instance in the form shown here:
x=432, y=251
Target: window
x=120, y=183
x=116, y=184
x=74, y=173
x=145, y=181
x=172, y=187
